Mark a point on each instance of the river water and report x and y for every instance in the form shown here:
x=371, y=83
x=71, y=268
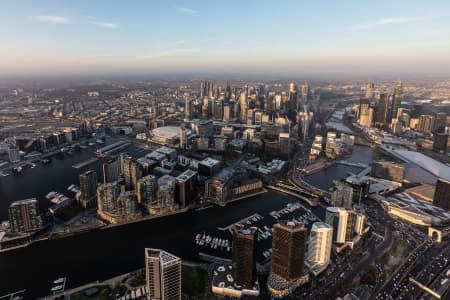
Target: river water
x=105, y=253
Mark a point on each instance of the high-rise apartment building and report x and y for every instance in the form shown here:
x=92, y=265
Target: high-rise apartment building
x=288, y=249
x=319, y=245
x=107, y=195
x=131, y=172
x=244, y=256
x=343, y=222
x=185, y=187
x=163, y=275
x=24, y=216
x=110, y=171
x=88, y=188
x=146, y=190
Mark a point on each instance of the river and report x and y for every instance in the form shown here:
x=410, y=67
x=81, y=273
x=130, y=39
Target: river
x=101, y=254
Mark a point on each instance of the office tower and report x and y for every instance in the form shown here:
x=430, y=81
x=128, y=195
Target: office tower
x=88, y=188
x=382, y=112
x=304, y=121
x=284, y=141
x=146, y=190
x=258, y=117
x=244, y=107
x=244, y=256
x=14, y=155
x=387, y=170
x=228, y=91
x=426, y=123
x=110, y=171
x=166, y=191
x=187, y=106
x=440, y=122
x=370, y=90
x=365, y=113
x=183, y=137
x=226, y=112
x=397, y=99
x=292, y=103
x=305, y=92
x=288, y=249
x=107, y=194
x=442, y=194
x=131, y=172
x=185, y=187
x=218, y=109
x=320, y=242
x=163, y=275
x=270, y=103
x=24, y=216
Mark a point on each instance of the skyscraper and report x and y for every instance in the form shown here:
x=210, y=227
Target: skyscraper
x=382, y=112
x=187, y=106
x=185, y=187
x=110, y=171
x=270, y=103
x=288, y=249
x=244, y=107
x=441, y=122
x=441, y=194
x=365, y=113
x=319, y=246
x=397, y=99
x=163, y=275
x=304, y=121
x=88, y=188
x=370, y=90
x=244, y=256
x=305, y=92
x=292, y=104
x=183, y=137
x=24, y=216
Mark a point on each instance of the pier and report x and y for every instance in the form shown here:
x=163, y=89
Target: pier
x=243, y=221
x=85, y=163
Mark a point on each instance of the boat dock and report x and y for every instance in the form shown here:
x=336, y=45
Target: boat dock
x=246, y=221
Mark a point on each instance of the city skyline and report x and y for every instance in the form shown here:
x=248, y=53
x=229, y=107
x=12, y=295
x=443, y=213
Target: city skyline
x=61, y=37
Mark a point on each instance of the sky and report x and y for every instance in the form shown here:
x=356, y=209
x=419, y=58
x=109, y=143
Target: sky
x=259, y=36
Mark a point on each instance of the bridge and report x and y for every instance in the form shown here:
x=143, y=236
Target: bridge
x=311, y=202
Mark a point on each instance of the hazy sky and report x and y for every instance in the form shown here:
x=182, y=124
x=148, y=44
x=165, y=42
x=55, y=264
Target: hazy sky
x=87, y=36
